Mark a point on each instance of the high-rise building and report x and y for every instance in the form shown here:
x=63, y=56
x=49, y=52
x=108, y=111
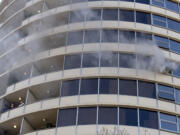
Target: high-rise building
x=89, y=67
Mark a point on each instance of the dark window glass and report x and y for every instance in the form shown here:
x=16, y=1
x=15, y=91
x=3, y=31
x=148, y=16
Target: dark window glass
x=89, y=86
x=143, y=37
x=109, y=59
x=110, y=14
x=90, y=60
x=70, y=88
x=173, y=25
x=177, y=95
x=168, y=122
x=92, y=36
x=175, y=46
x=143, y=1
x=142, y=17
x=143, y=62
x=107, y=115
x=176, y=72
x=147, y=89
x=126, y=15
x=159, y=20
x=108, y=86
x=166, y=92
x=128, y=87
x=127, y=60
x=162, y=42
x=76, y=16
x=93, y=14
x=126, y=36
x=172, y=5
x=67, y=117
x=148, y=119
x=128, y=0
x=110, y=36
x=75, y=38
x=87, y=115
x=128, y=117
x=159, y=3
x=72, y=61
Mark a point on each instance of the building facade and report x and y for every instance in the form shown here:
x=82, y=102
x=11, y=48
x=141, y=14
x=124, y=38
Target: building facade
x=88, y=67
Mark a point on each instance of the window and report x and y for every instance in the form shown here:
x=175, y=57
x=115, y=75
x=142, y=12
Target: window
x=143, y=62
x=159, y=20
x=173, y=25
x=75, y=38
x=76, y=16
x=67, y=117
x=110, y=14
x=110, y=36
x=93, y=14
x=147, y=89
x=177, y=95
x=108, y=86
x=162, y=42
x=90, y=60
x=70, y=88
x=142, y=17
x=109, y=59
x=126, y=15
x=168, y=122
x=92, y=36
x=128, y=116
x=107, y=115
x=148, y=119
x=72, y=61
x=89, y=86
x=177, y=71
x=87, y=111
x=175, y=46
x=159, y=3
x=166, y=92
x=127, y=87
x=143, y=37
x=128, y=0
x=143, y=1
x=172, y=6
x=127, y=60
x=127, y=37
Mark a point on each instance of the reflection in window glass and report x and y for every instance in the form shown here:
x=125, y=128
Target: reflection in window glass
x=159, y=3
x=177, y=71
x=168, y=122
x=142, y=17
x=84, y=112
x=110, y=36
x=127, y=60
x=177, y=95
x=70, y=88
x=92, y=36
x=108, y=86
x=126, y=15
x=107, y=115
x=162, y=42
x=89, y=86
x=147, y=89
x=175, y=46
x=172, y=5
x=173, y=25
x=166, y=92
x=128, y=87
x=148, y=119
x=110, y=14
x=159, y=20
x=93, y=14
x=75, y=38
x=76, y=16
x=90, y=60
x=109, y=59
x=126, y=36
x=128, y=117
x=72, y=61
x=67, y=117
x=143, y=1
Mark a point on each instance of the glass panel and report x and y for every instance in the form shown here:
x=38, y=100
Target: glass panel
x=159, y=20
x=110, y=36
x=67, y=117
x=168, y=126
x=143, y=1
x=128, y=117
x=108, y=86
x=172, y=6
x=148, y=119
x=70, y=88
x=177, y=95
x=166, y=92
x=174, y=25
x=109, y=59
x=89, y=86
x=76, y=16
x=90, y=60
x=127, y=37
x=175, y=46
x=107, y=115
x=93, y=14
x=84, y=112
x=92, y=36
x=158, y=3
x=143, y=37
x=142, y=17
x=162, y=42
x=128, y=0
x=127, y=87
x=110, y=14
x=126, y=15
x=167, y=117
x=127, y=60
x=75, y=38
x=72, y=61
x=177, y=71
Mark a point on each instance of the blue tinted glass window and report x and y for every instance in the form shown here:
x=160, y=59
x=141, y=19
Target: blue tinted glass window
x=147, y=89
x=162, y=42
x=110, y=14
x=166, y=92
x=172, y=5
x=107, y=115
x=127, y=37
x=174, y=25
x=176, y=72
x=148, y=119
x=159, y=20
x=92, y=36
x=84, y=112
x=128, y=116
x=159, y=3
x=126, y=15
x=177, y=95
x=90, y=60
x=168, y=122
x=108, y=86
x=76, y=16
x=127, y=60
x=128, y=0
x=89, y=86
x=75, y=38
x=175, y=46
x=72, y=61
x=143, y=37
x=110, y=36
x=67, y=117
x=142, y=17
x=70, y=88
x=143, y=1
x=93, y=14
x=109, y=59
